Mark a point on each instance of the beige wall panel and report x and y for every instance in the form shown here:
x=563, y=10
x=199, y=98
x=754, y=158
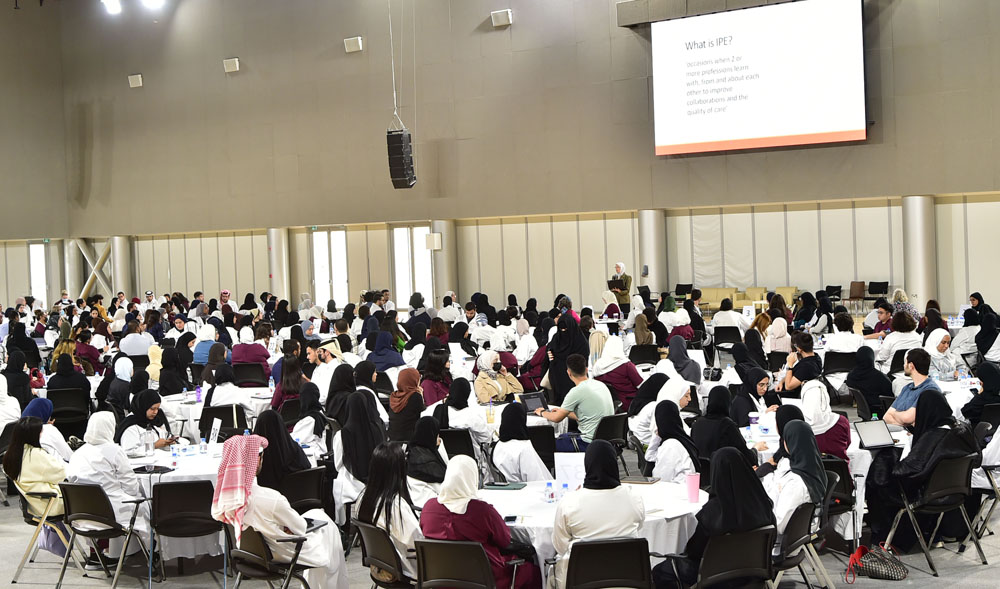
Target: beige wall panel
x=18, y=277
x=210, y=262
x=467, y=242
x=620, y=237
x=178, y=270
x=299, y=265
x=707, y=253
x=145, y=263
x=261, y=269
x=803, y=248
x=594, y=261
x=896, y=218
x=873, y=241
x=227, y=263
x=769, y=227
x=161, y=268
x=983, y=243
x=540, y=258
x=953, y=284
x=380, y=258
x=837, y=246
x=515, y=258
x=566, y=249
x=737, y=231
x=678, y=250
x=193, y=260
x=491, y=262
x=244, y=266
x=357, y=260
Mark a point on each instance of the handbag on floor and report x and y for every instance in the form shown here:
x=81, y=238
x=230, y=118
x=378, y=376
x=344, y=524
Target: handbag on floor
x=875, y=563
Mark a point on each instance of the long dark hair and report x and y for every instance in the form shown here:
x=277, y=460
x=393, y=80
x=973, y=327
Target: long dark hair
x=291, y=375
x=386, y=484
x=26, y=433
x=436, y=362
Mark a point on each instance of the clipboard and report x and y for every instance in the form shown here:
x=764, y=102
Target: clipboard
x=616, y=283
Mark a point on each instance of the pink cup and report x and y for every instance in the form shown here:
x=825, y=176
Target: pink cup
x=693, y=487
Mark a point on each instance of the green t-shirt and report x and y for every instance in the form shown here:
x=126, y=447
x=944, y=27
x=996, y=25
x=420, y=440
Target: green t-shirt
x=590, y=400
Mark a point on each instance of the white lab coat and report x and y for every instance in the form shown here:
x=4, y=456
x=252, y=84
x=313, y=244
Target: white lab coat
x=451, y=314
x=322, y=376
x=106, y=465
x=54, y=443
x=673, y=463
x=421, y=492
x=412, y=356
x=844, y=341
x=470, y=418
x=136, y=344
x=965, y=340
x=593, y=513
x=10, y=408
x=527, y=345
x=460, y=366
x=991, y=456
x=230, y=394
x=897, y=340
x=519, y=462
x=787, y=491
x=132, y=441
x=304, y=432
x=346, y=488
x=730, y=319
x=643, y=425
x=269, y=513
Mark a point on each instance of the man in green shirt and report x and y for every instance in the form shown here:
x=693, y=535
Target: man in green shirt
x=587, y=403
x=622, y=294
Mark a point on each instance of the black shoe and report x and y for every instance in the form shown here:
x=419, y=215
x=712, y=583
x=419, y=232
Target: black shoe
x=93, y=564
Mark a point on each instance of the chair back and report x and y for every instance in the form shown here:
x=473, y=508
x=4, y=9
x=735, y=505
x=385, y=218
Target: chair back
x=645, y=354
x=832, y=480
x=981, y=432
x=842, y=499
x=734, y=391
x=233, y=417
x=290, y=410
x=87, y=502
x=776, y=360
x=196, y=371
x=837, y=362
x=682, y=290
x=695, y=343
x=612, y=562
x=728, y=335
x=878, y=288
x=636, y=444
x=887, y=401
x=543, y=440
x=951, y=476
x=459, y=565
x=458, y=441
x=250, y=373
x=140, y=361
x=70, y=409
x=378, y=550
x=183, y=509
x=857, y=289
x=991, y=415
x=253, y=557
x=864, y=411
x=798, y=530
x=304, y=489
x=896, y=366
x=745, y=556
x=612, y=428
x=834, y=291
x=383, y=384
x=332, y=427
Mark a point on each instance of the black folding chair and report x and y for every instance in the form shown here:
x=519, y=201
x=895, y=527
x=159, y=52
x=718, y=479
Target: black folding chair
x=832, y=480
x=71, y=410
x=383, y=384
x=896, y=366
x=798, y=533
x=249, y=374
x=864, y=411
x=887, y=402
x=183, y=509
x=332, y=427
x=745, y=557
x=458, y=441
x=611, y=562
x=946, y=489
x=139, y=362
x=289, y=411
x=645, y=354
x=614, y=429
x=991, y=496
x=876, y=290
x=378, y=550
x=87, y=503
x=443, y=563
x=843, y=498
x=681, y=291
x=834, y=292
x=40, y=522
x=304, y=489
x=640, y=453
x=543, y=440
x=253, y=558
x=727, y=336
x=991, y=415
x=233, y=417
x=696, y=342
x=839, y=362
x=196, y=370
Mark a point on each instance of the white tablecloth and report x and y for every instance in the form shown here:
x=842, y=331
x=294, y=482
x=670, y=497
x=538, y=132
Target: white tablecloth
x=95, y=381
x=184, y=413
x=560, y=428
x=670, y=519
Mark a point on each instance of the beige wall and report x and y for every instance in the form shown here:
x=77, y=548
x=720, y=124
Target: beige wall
x=32, y=140
x=15, y=274
x=550, y=116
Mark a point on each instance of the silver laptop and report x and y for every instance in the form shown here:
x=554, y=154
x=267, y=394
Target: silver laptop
x=874, y=435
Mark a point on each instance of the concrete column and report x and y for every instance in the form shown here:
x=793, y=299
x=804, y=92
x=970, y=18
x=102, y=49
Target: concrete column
x=445, y=260
x=122, y=266
x=55, y=280
x=277, y=262
x=919, y=249
x=72, y=267
x=652, y=250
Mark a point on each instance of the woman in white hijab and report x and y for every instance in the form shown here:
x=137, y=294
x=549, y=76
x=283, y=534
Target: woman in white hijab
x=118, y=321
x=635, y=309
x=527, y=345
x=494, y=383
x=942, y=359
x=612, y=357
x=777, y=339
x=611, y=308
x=100, y=461
x=10, y=408
x=678, y=391
x=832, y=431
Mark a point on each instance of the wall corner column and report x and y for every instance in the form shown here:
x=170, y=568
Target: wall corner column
x=652, y=250
x=122, y=265
x=919, y=249
x=55, y=279
x=277, y=262
x=445, y=260
x=73, y=266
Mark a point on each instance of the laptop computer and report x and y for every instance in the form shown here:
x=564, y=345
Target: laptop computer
x=874, y=435
x=532, y=401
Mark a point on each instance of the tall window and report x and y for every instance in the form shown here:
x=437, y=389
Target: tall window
x=330, y=267
x=36, y=265
x=412, y=265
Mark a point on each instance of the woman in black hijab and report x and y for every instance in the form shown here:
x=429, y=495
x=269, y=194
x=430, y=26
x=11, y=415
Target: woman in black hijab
x=19, y=340
x=281, y=315
x=341, y=387
x=542, y=329
x=66, y=377
x=296, y=334
x=531, y=305
x=457, y=399
x=483, y=306
x=220, y=328
x=269, y=308
x=282, y=455
x=185, y=356
x=311, y=407
x=804, y=458
x=513, y=423
x=141, y=404
x=807, y=308
x=216, y=358
x=685, y=366
x=989, y=374
x=647, y=392
x=670, y=427
x=751, y=398
x=18, y=381
x=423, y=461
x=432, y=344
x=980, y=305
x=457, y=335
x=871, y=381
x=223, y=374
x=716, y=430
x=600, y=463
x=567, y=341
x=418, y=336
x=348, y=315
x=172, y=380
x=784, y=415
x=738, y=504
x=755, y=348
x=359, y=437
x=987, y=333
x=248, y=303
x=743, y=363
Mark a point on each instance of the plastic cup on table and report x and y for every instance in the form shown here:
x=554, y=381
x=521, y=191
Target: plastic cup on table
x=693, y=487
x=754, y=417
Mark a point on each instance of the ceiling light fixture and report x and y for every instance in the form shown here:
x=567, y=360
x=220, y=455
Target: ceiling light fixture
x=153, y=4
x=112, y=6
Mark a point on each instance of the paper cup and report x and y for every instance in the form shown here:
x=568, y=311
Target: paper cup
x=693, y=487
x=754, y=417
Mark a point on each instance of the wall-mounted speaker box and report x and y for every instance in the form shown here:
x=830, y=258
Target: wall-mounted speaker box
x=434, y=241
x=135, y=81
x=502, y=18
x=400, y=158
x=231, y=65
x=353, y=44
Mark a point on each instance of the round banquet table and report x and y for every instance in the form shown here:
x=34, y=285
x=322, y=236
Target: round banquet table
x=184, y=413
x=670, y=518
x=190, y=466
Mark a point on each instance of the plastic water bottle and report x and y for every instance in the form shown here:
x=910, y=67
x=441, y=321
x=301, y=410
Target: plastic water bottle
x=563, y=491
x=246, y=432
x=549, y=494
x=197, y=395
x=149, y=439
x=270, y=383
x=874, y=416
x=173, y=455
x=728, y=367
x=203, y=446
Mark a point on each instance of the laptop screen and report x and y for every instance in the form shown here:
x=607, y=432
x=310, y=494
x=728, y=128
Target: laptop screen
x=874, y=433
x=533, y=401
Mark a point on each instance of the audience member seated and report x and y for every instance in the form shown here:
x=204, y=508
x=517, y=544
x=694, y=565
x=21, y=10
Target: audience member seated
x=436, y=376
x=672, y=449
x=426, y=462
x=52, y=440
x=777, y=339
x=66, y=377
x=643, y=423
x=989, y=393
x=146, y=416
x=802, y=365
x=386, y=503
x=587, y=402
x=352, y=449
x=405, y=405
x=944, y=363
x=514, y=455
x=843, y=339
x=715, y=429
x=753, y=397
x=456, y=514
x=832, y=431
x=614, y=369
x=225, y=391
x=903, y=336
x=822, y=321
x=308, y=430
x=255, y=351
x=455, y=413
x=868, y=379
x=964, y=342
x=494, y=383
x=602, y=509
x=901, y=304
x=916, y=366
x=290, y=384
x=611, y=308
x=32, y=469
x=803, y=481
x=682, y=326
x=216, y=357
x=807, y=310
x=687, y=368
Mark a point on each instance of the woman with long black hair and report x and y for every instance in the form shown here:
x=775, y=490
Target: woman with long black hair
x=386, y=504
